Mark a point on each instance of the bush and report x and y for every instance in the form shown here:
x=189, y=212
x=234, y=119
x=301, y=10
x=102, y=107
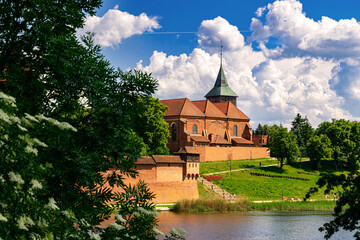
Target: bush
x=213, y=178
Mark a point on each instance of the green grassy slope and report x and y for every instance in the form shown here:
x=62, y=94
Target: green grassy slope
x=219, y=166
x=254, y=188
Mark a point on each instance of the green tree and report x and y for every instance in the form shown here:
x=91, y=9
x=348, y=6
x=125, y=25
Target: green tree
x=52, y=74
x=283, y=145
x=151, y=126
x=27, y=211
x=318, y=148
x=339, y=133
x=266, y=130
x=303, y=131
x=262, y=130
x=346, y=212
x=258, y=130
x=345, y=140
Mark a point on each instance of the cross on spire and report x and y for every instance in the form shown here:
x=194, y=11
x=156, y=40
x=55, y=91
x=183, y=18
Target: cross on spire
x=221, y=48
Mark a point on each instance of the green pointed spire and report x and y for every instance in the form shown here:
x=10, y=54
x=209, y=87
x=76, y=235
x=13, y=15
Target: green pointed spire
x=221, y=87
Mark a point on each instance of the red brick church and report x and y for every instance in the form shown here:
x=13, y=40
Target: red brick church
x=215, y=127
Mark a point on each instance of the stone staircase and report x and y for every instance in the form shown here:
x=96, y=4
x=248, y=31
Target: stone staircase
x=224, y=194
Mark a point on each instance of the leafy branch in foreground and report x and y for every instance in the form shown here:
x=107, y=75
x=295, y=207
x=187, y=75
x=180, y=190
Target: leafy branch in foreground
x=70, y=98
x=347, y=210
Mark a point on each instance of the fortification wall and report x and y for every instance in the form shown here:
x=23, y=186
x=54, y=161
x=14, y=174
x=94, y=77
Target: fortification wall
x=169, y=172
x=165, y=181
x=147, y=172
x=167, y=192
x=208, y=153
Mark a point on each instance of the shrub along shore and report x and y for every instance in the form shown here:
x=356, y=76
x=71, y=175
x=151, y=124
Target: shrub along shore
x=219, y=205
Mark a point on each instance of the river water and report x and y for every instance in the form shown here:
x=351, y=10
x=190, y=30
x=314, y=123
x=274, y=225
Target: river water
x=250, y=226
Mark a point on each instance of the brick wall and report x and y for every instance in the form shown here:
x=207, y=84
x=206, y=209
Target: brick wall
x=174, y=191
x=190, y=123
x=174, y=145
x=171, y=172
x=216, y=127
x=166, y=192
x=226, y=153
x=192, y=169
x=260, y=140
x=166, y=180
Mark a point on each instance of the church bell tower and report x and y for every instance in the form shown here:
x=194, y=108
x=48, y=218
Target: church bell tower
x=221, y=92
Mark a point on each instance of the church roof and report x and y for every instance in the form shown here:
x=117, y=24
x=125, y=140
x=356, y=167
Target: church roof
x=240, y=140
x=209, y=109
x=202, y=108
x=181, y=107
x=199, y=138
x=231, y=110
x=220, y=140
x=221, y=87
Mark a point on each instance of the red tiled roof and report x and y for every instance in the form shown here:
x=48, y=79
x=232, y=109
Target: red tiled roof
x=174, y=106
x=167, y=159
x=198, y=138
x=220, y=140
x=191, y=150
x=242, y=141
x=209, y=109
x=231, y=110
x=181, y=107
x=188, y=149
x=145, y=160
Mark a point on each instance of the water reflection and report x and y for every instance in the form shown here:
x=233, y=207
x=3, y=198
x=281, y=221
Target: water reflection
x=250, y=226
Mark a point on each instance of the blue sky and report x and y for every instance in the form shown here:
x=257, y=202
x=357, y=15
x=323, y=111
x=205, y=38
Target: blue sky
x=281, y=57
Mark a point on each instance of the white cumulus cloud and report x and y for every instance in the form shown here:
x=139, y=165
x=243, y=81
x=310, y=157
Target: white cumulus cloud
x=300, y=35
x=213, y=32
x=116, y=25
x=313, y=72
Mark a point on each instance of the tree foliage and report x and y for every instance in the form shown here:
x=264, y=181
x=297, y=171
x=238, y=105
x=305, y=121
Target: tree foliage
x=52, y=74
x=345, y=145
x=151, y=126
x=283, y=145
x=303, y=131
x=262, y=130
x=318, y=148
x=343, y=140
x=346, y=213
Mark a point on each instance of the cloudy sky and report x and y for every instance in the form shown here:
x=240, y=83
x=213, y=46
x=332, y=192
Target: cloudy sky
x=280, y=57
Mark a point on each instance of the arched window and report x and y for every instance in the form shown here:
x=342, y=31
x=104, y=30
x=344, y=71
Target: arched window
x=235, y=130
x=195, y=129
x=173, y=132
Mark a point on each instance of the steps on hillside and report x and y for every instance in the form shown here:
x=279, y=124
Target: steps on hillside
x=224, y=194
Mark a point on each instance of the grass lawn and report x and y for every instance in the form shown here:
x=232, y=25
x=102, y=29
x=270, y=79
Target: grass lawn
x=207, y=194
x=266, y=188
x=220, y=166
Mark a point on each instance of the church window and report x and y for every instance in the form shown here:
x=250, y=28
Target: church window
x=235, y=130
x=195, y=129
x=173, y=132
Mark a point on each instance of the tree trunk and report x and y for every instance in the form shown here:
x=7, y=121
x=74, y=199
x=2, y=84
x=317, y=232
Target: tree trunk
x=281, y=163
